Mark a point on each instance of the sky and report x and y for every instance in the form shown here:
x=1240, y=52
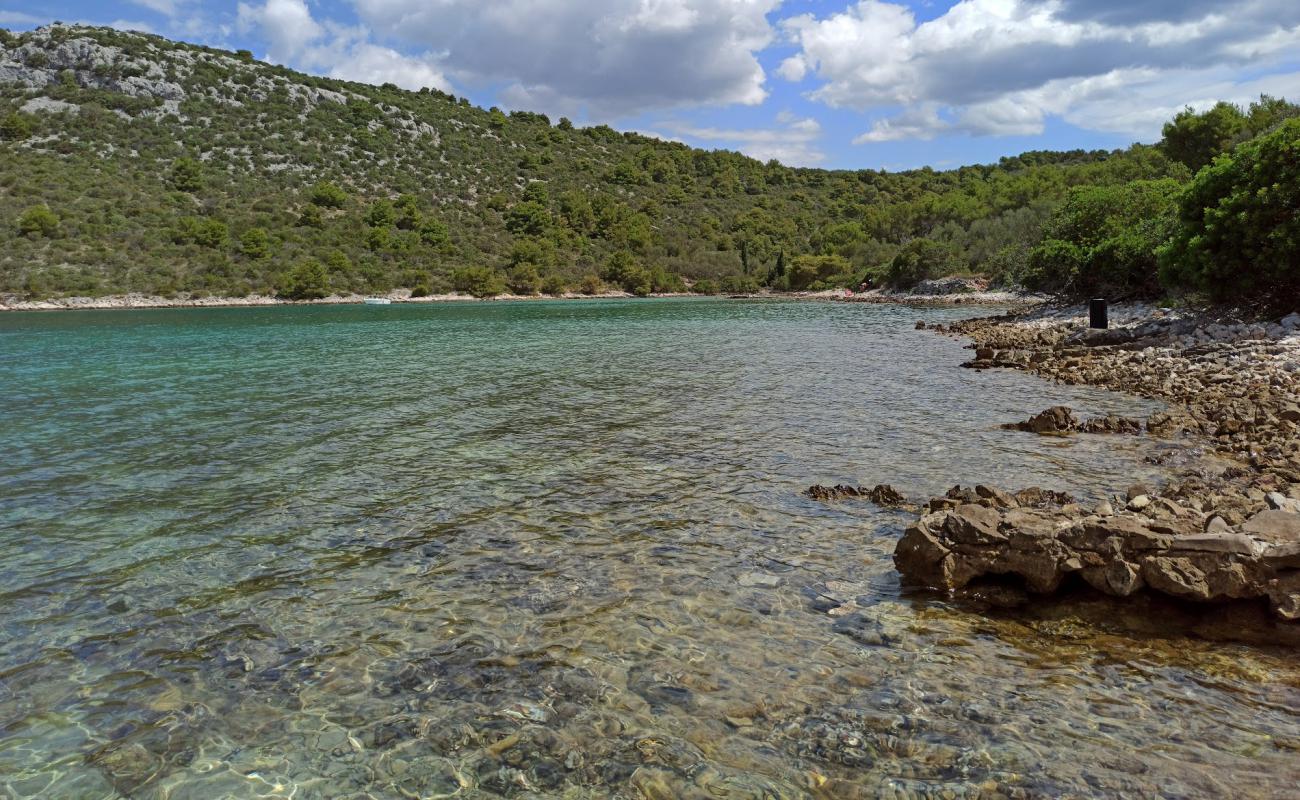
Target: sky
x=880, y=84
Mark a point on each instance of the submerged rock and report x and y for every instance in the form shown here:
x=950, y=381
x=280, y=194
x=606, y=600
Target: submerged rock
x=882, y=495
x=1061, y=420
x=1057, y=419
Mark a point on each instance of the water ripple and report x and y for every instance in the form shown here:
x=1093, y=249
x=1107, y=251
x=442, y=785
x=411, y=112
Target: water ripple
x=557, y=549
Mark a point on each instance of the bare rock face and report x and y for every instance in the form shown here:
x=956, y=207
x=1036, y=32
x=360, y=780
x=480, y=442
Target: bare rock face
x=1167, y=548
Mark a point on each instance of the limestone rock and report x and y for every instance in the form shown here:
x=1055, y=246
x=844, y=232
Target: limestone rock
x=1117, y=554
x=1138, y=503
x=1057, y=419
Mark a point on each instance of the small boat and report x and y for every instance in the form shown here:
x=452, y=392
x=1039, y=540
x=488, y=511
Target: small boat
x=377, y=301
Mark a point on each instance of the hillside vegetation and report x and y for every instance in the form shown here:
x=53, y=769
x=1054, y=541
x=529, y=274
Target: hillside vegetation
x=136, y=164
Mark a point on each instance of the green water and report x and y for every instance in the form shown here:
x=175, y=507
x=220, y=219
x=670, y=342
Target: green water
x=558, y=549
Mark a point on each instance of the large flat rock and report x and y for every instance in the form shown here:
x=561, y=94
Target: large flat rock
x=1118, y=554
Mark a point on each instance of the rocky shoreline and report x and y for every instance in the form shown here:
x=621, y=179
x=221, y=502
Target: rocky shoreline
x=935, y=293
x=1224, y=531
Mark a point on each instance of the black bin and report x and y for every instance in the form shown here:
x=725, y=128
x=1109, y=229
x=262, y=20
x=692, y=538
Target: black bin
x=1098, y=314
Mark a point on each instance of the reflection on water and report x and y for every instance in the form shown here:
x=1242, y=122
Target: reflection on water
x=556, y=549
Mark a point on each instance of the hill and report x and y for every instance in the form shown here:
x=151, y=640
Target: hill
x=134, y=163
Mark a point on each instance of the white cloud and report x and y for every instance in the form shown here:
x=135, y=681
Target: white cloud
x=1001, y=67
x=793, y=143
x=286, y=24
x=131, y=25
x=608, y=58
x=369, y=63
x=298, y=39
x=165, y=7
x=922, y=122
x=19, y=18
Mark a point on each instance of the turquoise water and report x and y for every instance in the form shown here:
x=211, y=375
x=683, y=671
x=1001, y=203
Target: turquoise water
x=557, y=549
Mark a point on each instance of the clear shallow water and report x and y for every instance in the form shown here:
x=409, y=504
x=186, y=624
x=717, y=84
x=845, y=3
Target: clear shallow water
x=556, y=549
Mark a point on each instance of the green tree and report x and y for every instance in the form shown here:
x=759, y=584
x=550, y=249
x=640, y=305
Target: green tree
x=478, y=281
x=379, y=238
x=381, y=214
x=308, y=280
x=1103, y=240
x=211, y=233
x=408, y=212
x=920, y=260
x=328, y=195
x=187, y=175
x=805, y=271
x=433, y=233
x=311, y=217
x=528, y=218
x=1267, y=113
x=1196, y=138
x=15, y=127
x=1238, y=223
x=524, y=279
x=554, y=285
x=38, y=221
x=255, y=243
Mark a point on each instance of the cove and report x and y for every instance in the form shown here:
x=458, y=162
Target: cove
x=558, y=549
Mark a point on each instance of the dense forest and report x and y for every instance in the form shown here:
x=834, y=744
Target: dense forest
x=135, y=164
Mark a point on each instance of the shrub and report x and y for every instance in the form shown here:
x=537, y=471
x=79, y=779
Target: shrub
x=529, y=218
x=306, y=281
x=38, y=221
x=1237, y=231
x=434, y=233
x=255, y=243
x=381, y=214
x=739, y=284
x=590, y=284
x=554, y=285
x=705, y=286
x=213, y=233
x=478, y=281
x=804, y=271
x=623, y=271
x=920, y=260
x=311, y=217
x=378, y=238
x=327, y=195
x=1103, y=240
x=524, y=279
x=15, y=127
x=187, y=175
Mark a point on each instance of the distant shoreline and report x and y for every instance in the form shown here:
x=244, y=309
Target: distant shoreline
x=143, y=301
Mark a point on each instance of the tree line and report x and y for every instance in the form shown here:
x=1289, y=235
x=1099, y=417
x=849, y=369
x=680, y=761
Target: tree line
x=266, y=180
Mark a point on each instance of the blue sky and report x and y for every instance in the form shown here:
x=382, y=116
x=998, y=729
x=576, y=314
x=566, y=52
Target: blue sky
x=834, y=83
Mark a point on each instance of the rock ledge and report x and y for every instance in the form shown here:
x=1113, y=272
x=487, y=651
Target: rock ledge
x=1166, y=549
